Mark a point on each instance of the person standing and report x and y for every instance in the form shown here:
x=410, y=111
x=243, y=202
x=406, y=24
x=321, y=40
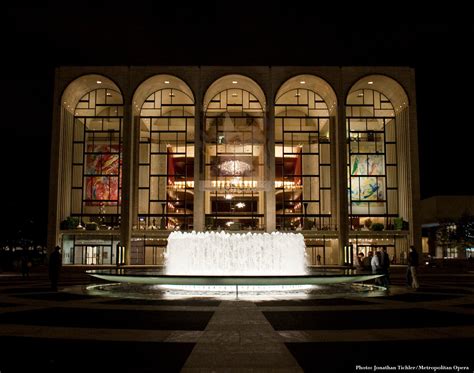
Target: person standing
x=413, y=263
x=376, y=268
x=25, y=264
x=360, y=261
x=55, y=263
x=385, y=265
x=318, y=259
x=367, y=261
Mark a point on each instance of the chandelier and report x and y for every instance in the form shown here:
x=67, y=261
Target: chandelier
x=232, y=167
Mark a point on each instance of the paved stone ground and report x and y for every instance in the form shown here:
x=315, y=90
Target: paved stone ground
x=69, y=331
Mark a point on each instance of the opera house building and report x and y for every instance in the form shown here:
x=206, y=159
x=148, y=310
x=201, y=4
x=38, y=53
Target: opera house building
x=141, y=151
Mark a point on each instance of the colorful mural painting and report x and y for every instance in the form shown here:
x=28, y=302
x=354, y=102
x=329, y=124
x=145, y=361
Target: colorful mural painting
x=365, y=185
x=102, y=174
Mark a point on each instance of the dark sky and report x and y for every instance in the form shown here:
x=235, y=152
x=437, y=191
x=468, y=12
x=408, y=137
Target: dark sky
x=436, y=42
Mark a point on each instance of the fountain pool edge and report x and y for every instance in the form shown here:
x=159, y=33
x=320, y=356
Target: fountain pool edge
x=235, y=280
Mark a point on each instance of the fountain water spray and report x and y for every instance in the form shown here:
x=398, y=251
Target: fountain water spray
x=235, y=254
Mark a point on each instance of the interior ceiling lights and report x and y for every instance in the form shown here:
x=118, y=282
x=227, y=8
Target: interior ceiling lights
x=232, y=167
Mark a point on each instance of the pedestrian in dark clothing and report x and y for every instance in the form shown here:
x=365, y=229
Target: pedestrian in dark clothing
x=25, y=264
x=385, y=265
x=360, y=261
x=413, y=263
x=55, y=263
x=367, y=261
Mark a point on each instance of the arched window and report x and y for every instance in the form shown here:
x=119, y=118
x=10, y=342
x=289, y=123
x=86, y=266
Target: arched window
x=372, y=158
x=166, y=159
x=97, y=157
x=234, y=142
x=302, y=154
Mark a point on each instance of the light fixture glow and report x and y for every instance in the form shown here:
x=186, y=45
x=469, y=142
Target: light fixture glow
x=99, y=82
x=234, y=81
x=232, y=167
x=167, y=82
x=240, y=205
x=371, y=82
x=302, y=82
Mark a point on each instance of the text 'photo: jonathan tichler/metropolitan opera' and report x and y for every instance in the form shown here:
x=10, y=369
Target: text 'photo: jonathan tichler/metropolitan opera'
x=138, y=152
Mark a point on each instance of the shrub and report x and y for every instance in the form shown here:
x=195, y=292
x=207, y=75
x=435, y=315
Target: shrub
x=377, y=227
x=398, y=224
x=70, y=222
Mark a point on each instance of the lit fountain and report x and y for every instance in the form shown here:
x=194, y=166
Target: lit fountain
x=233, y=261
x=225, y=254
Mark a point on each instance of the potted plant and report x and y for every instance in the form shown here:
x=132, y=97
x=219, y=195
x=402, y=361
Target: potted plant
x=377, y=227
x=398, y=223
x=71, y=222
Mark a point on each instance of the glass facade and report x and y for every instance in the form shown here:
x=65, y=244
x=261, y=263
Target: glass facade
x=228, y=152
x=97, y=158
x=234, y=139
x=302, y=161
x=166, y=161
x=372, y=159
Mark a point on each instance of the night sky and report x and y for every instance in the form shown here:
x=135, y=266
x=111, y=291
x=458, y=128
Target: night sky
x=436, y=42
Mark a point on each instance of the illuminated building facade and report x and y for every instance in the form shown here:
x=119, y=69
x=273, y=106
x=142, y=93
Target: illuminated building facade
x=138, y=152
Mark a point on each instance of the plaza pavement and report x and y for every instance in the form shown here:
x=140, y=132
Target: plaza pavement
x=72, y=331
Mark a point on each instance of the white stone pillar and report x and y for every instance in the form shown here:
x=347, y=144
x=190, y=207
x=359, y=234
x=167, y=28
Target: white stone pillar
x=269, y=167
x=127, y=184
x=199, y=176
x=341, y=185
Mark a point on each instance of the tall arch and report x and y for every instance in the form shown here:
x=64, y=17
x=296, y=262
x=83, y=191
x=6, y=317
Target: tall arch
x=164, y=127
x=378, y=163
x=234, y=154
x=91, y=165
x=304, y=107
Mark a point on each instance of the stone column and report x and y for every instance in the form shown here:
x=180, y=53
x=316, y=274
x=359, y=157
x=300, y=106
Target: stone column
x=269, y=166
x=127, y=181
x=136, y=156
x=414, y=177
x=341, y=184
x=199, y=176
x=334, y=170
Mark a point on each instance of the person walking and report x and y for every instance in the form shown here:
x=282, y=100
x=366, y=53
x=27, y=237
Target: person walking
x=55, y=263
x=413, y=263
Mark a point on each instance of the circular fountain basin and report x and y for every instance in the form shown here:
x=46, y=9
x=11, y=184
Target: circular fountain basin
x=133, y=276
